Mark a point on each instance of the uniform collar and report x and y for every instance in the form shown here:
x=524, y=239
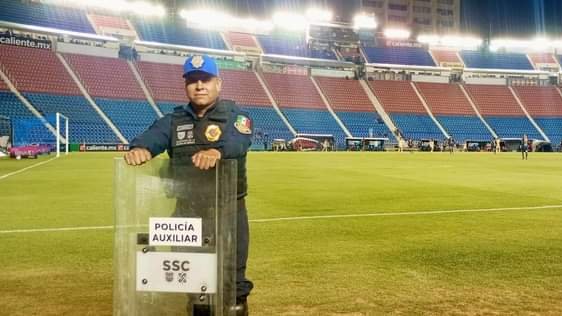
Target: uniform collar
x=217, y=107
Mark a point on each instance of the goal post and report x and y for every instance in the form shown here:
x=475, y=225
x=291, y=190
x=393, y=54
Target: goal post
x=60, y=117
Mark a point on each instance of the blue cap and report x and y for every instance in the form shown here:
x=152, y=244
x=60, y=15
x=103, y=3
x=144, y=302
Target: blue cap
x=201, y=63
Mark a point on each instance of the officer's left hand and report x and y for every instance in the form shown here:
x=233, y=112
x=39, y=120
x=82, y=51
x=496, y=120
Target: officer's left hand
x=206, y=159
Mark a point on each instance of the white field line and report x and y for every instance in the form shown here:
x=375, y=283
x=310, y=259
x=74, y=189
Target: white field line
x=26, y=168
x=298, y=218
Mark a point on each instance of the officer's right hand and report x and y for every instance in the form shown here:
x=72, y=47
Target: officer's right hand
x=137, y=156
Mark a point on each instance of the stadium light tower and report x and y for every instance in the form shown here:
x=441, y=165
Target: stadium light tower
x=364, y=21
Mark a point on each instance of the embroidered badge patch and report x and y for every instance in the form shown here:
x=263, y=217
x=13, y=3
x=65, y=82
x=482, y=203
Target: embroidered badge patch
x=197, y=61
x=243, y=124
x=213, y=133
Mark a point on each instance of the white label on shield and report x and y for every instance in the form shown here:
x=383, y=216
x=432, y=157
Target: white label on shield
x=177, y=272
x=175, y=231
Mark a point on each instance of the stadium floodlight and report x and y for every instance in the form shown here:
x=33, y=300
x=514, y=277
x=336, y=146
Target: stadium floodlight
x=145, y=8
x=207, y=17
x=364, y=21
x=453, y=41
x=397, y=33
x=140, y=7
x=467, y=42
x=290, y=21
x=319, y=15
x=429, y=39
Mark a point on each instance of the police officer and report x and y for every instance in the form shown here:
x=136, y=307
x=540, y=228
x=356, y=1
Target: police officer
x=214, y=129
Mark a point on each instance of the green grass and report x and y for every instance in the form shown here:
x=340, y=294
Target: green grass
x=497, y=262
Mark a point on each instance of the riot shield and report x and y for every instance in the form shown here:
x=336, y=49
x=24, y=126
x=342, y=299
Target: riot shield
x=175, y=239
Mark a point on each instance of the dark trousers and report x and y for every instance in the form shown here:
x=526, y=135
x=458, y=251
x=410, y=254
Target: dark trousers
x=243, y=285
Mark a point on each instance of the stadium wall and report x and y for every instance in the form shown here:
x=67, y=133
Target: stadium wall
x=87, y=50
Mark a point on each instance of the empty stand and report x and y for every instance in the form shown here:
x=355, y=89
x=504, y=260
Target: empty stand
x=36, y=70
x=35, y=13
x=3, y=85
x=292, y=46
x=452, y=109
x=86, y=125
x=541, y=101
x=294, y=91
x=244, y=88
x=446, y=57
x=106, y=77
x=500, y=109
x=542, y=58
x=350, y=103
x=399, y=56
x=300, y=102
x=267, y=126
x=241, y=39
x=400, y=101
x=156, y=30
x=110, y=21
x=131, y=117
x=445, y=99
x=476, y=59
x=164, y=81
x=11, y=106
x=311, y=121
x=544, y=104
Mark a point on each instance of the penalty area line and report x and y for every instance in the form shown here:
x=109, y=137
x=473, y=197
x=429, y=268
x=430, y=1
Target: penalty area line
x=13, y=173
x=298, y=218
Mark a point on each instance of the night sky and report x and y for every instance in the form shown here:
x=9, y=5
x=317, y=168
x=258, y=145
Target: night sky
x=486, y=18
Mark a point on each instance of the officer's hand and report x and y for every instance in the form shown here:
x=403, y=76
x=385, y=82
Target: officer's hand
x=206, y=159
x=137, y=156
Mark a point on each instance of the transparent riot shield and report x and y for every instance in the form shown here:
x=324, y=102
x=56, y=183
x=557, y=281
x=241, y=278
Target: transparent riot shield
x=175, y=239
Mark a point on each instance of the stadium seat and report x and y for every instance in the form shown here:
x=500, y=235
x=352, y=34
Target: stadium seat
x=350, y=103
x=156, y=30
x=398, y=56
x=292, y=46
x=500, y=109
x=132, y=117
x=400, y=101
x=489, y=60
x=452, y=109
x=39, y=14
x=544, y=104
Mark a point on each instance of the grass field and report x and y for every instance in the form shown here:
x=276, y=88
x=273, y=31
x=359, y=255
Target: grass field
x=408, y=260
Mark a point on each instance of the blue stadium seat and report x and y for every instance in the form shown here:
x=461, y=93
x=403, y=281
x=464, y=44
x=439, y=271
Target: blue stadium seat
x=132, y=117
x=166, y=107
x=45, y=15
x=292, y=47
x=364, y=124
x=475, y=59
x=267, y=126
x=86, y=126
x=463, y=128
x=417, y=126
x=307, y=121
x=552, y=127
x=512, y=127
x=37, y=133
x=399, y=56
x=176, y=33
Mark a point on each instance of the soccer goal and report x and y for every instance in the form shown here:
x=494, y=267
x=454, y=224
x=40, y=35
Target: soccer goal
x=61, y=119
x=5, y=134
